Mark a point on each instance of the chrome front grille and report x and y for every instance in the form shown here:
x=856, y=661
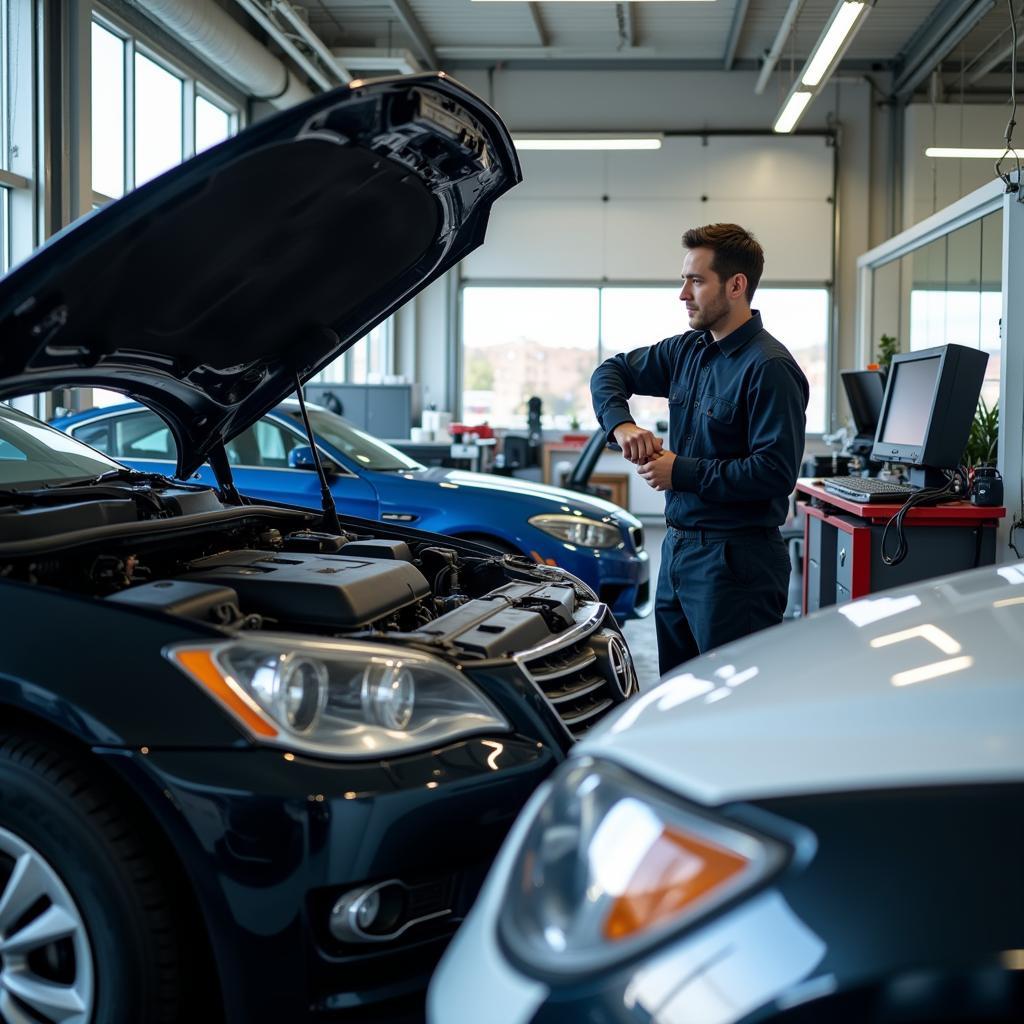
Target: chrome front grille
x=576, y=673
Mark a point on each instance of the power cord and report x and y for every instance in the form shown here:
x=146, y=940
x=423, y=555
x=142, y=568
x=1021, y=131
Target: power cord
x=1011, y=186
x=956, y=484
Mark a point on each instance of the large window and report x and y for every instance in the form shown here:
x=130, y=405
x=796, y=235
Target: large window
x=546, y=341
x=147, y=114
x=17, y=135
x=368, y=361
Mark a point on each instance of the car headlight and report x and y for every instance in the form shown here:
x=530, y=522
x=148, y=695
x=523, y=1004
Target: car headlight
x=579, y=530
x=351, y=700
x=611, y=865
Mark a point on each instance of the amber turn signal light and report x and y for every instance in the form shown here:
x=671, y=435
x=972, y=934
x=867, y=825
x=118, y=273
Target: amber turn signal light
x=677, y=870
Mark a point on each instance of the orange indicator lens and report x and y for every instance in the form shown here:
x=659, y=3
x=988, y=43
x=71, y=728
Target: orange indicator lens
x=676, y=871
x=203, y=668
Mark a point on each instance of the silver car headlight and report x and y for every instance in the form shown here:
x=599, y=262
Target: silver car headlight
x=611, y=865
x=582, y=531
x=342, y=700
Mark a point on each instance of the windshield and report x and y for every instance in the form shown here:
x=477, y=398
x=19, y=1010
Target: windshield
x=31, y=453
x=367, y=451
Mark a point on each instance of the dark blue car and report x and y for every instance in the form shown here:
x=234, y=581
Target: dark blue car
x=593, y=539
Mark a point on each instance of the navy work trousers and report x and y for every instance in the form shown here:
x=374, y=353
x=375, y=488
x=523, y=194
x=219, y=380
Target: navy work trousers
x=717, y=586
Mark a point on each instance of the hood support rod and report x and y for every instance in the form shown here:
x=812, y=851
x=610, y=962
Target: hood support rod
x=330, y=517
x=222, y=471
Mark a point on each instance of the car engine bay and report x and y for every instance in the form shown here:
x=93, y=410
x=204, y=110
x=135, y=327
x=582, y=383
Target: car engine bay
x=269, y=568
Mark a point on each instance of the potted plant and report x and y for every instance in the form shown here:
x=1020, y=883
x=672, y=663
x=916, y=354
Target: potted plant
x=888, y=346
x=983, y=440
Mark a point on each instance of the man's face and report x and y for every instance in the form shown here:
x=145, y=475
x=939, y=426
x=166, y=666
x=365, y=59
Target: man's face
x=704, y=292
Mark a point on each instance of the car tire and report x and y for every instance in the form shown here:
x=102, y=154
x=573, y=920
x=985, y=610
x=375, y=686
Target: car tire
x=87, y=929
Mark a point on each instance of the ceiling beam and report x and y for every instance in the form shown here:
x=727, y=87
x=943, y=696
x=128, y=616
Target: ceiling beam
x=411, y=24
x=772, y=56
x=1005, y=53
x=929, y=47
x=739, y=16
x=538, y=26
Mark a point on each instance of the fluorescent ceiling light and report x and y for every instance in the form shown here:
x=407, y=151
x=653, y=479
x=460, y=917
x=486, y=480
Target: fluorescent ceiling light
x=830, y=45
x=963, y=153
x=847, y=17
x=587, y=143
x=791, y=112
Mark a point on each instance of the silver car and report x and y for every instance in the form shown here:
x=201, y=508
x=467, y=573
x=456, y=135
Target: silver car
x=822, y=822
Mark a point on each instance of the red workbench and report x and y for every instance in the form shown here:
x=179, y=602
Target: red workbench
x=842, y=543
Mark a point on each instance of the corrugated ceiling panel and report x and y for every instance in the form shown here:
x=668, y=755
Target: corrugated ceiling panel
x=687, y=31
x=465, y=23
x=694, y=31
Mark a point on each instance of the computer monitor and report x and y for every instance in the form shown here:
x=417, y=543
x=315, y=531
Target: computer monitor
x=929, y=404
x=864, y=392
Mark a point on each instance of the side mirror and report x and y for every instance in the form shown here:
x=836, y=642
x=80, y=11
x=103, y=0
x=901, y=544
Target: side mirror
x=301, y=457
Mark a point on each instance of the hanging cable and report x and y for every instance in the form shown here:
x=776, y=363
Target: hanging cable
x=1005, y=176
x=955, y=487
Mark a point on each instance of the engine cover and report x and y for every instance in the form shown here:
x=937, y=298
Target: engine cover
x=316, y=589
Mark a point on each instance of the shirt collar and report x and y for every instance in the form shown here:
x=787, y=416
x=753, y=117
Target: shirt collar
x=732, y=343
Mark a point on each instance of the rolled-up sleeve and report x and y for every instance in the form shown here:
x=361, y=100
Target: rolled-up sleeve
x=643, y=371
x=776, y=409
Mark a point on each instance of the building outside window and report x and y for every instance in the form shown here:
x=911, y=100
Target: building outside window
x=520, y=341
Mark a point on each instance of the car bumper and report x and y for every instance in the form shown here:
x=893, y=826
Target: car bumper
x=621, y=580
x=270, y=842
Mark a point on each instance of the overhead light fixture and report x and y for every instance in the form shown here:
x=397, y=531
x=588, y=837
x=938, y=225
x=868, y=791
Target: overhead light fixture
x=791, y=112
x=828, y=51
x=587, y=142
x=964, y=153
x=833, y=41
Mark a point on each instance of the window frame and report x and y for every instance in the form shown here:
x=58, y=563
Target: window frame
x=601, y=284
x=20, y=184
x=193, y=86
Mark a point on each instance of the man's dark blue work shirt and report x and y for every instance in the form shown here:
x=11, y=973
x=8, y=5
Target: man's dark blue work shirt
x=737, y=417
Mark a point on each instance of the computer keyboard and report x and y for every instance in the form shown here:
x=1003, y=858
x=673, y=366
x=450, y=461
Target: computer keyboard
x=867, y=489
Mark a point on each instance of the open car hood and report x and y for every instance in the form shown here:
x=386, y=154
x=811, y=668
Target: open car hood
x=206, y=292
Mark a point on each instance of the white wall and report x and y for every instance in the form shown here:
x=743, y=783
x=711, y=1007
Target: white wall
x=931, y=184
x=619, y=216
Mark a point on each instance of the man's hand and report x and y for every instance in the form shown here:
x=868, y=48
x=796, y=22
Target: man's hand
x=638, y=445
x=658, y=470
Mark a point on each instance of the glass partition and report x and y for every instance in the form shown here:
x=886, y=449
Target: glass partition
x=946, y=290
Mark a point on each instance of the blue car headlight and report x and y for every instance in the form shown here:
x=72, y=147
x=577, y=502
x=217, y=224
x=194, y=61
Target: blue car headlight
x=340, y=700
x=612, y=865
x=582, y=531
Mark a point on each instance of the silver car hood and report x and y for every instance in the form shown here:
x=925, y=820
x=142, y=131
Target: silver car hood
x=923, y=685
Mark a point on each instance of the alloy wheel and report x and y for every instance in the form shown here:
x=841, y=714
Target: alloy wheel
x=46, y=968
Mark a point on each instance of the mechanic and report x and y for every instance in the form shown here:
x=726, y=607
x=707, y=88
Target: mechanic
x=737, y=417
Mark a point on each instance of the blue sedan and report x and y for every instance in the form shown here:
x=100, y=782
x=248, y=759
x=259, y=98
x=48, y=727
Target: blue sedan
x=593, y=539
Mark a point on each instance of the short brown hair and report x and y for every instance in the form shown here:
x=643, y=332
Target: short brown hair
x=736, y=251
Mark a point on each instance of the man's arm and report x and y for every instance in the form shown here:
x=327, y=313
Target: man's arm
x=644, y=371
x=777, y=411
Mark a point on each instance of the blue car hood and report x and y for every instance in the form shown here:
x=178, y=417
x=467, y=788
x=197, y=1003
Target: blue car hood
x=208, y=292
x=517, y=490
